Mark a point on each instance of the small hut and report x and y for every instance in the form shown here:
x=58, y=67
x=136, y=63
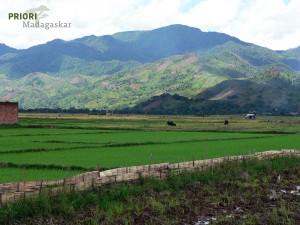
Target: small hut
x=251, y=116
x=9, y=112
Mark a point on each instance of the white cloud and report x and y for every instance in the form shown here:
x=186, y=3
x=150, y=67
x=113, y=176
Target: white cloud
x=271, y=23
x=212, y=14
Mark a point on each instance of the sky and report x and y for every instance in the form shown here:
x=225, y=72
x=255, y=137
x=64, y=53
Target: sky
x=270, y=23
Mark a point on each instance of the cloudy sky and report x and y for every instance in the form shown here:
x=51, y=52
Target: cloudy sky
x=270, y=23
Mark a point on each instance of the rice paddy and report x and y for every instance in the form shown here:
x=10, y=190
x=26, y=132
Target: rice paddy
x=43, y=147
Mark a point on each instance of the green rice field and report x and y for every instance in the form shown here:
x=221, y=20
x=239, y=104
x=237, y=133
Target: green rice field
x=43, y=147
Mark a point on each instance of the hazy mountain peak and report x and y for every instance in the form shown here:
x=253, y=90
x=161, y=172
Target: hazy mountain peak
x=177, y=27
x=6, y=49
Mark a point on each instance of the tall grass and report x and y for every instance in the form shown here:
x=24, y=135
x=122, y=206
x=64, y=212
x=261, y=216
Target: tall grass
x=114, y=200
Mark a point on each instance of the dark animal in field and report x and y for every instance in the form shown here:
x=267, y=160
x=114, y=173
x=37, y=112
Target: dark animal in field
x=226, y=122
x=171, y=123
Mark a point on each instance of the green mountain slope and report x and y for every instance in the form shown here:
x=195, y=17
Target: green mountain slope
x=212, y=71
x=128, y=48
x=185, y=75
x=178, y=74
x=228, y=97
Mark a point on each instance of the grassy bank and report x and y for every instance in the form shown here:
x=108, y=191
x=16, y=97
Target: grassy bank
x=254, y=192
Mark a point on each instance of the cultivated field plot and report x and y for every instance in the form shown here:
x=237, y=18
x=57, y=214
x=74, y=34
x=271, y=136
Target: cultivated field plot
x=190, y=123
x=55, y=146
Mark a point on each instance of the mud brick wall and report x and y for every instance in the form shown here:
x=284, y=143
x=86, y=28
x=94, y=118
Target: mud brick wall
x=11, y=192
x=8, y=113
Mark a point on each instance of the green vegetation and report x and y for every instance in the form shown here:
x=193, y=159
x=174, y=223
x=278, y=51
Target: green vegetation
x=56, y=146
x=178, y=74
x=81, y=82
x=25, y=174
x=235, y=193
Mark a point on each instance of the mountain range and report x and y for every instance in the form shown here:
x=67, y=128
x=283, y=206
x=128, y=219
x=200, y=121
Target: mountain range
x=170, y=70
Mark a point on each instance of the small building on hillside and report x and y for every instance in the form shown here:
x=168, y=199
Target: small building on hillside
x=9, y=112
